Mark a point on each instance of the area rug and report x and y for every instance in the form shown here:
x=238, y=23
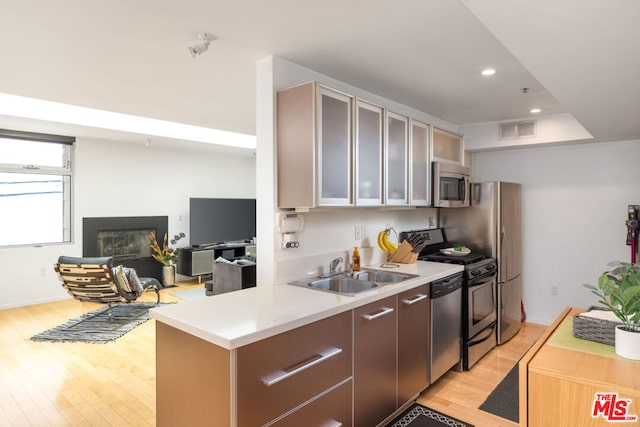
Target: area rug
x=503, y=400
x=190, y=294
x=421, y=416
x=97, y=327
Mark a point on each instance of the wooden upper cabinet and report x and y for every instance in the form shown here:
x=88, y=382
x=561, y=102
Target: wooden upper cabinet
x=396, y=156
x=368, y=154
x=334, y=150
x=314, y=147
x=420, y=165
x=447, y=147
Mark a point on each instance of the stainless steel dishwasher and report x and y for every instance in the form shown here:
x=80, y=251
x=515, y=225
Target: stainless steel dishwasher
x=446, y=325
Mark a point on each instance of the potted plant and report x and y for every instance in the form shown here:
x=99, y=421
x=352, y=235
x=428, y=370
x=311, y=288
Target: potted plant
x=619, y=290
x=167, y=256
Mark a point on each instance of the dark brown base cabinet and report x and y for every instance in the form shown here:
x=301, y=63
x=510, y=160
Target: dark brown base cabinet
x=355, y=368
x=413, y=343
x=374, y=366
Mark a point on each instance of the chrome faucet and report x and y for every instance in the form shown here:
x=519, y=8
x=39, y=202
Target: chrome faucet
x=333, y=265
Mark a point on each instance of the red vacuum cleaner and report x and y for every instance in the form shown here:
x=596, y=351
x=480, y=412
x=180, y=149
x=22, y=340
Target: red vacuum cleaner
x=632, y=230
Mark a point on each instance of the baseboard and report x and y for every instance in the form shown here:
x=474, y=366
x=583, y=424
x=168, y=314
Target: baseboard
x=33, y=302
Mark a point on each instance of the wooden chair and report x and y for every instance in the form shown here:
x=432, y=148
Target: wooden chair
x=97, y=280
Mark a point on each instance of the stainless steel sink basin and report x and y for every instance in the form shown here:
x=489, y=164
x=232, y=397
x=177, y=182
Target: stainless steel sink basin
x=341, y=284
x=351, y=284
x=378, y=276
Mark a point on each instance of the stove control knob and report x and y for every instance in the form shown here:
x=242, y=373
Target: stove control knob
x=475, y=272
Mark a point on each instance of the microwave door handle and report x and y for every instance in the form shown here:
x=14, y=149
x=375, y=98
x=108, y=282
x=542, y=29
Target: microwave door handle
x=465, y=190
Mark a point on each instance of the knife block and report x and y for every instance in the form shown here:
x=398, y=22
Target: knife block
x=404, y=255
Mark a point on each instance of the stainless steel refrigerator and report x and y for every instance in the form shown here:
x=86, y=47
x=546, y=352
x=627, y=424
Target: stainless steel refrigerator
x=493, y=227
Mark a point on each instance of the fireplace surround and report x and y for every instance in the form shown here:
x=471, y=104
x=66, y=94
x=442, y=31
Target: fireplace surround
x=126, y=239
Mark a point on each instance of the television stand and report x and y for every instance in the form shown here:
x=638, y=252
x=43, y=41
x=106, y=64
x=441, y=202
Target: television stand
x=197, y=261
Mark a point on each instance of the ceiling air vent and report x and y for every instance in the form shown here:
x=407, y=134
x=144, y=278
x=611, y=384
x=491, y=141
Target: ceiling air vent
x=518, y=130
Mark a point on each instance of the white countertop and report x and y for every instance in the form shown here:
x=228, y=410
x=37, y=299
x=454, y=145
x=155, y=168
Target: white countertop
x=238, y=318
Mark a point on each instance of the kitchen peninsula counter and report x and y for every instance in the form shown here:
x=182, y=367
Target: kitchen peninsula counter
x=235, y=319
x=284, y=355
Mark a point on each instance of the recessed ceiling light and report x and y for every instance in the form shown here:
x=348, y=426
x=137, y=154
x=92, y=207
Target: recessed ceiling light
x=535, y=110
x=488, y=72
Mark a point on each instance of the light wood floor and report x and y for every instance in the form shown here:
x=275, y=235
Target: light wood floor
x=460, y=394
x=76, y=384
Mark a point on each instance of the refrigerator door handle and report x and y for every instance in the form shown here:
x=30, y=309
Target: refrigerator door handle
x=503, y=250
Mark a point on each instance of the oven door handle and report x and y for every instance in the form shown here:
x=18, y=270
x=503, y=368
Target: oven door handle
x=481, y=281
x=487, y=335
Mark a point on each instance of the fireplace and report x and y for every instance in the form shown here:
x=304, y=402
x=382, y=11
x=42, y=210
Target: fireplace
x=126, y=239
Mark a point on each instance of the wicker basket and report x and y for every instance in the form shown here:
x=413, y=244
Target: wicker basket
x=598, y=330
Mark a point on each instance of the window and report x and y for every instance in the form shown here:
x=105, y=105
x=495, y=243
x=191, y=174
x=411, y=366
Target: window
x=35, y=188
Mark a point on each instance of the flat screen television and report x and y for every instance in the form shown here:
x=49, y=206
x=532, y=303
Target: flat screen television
x=213, y=221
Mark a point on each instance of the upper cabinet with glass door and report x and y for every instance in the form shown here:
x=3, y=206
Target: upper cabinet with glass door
x=447, y=147
x=368, y=154
x=420, y=171
x=314, y=146
x=336, y=151
x=396, y=156
x=334, y=113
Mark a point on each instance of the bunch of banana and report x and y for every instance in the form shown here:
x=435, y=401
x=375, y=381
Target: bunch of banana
x=384, y=243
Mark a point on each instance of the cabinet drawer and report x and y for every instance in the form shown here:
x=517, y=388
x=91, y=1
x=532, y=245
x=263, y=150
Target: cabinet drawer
x=329, y=410
x=279, y=373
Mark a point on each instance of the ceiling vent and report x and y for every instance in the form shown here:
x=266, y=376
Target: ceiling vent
x=518, y=130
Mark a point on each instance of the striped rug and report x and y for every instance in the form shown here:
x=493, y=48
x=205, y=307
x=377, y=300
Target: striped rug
x=97, y=326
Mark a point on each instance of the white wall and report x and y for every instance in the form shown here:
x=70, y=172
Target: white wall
x=122, y=179
x=574, y=204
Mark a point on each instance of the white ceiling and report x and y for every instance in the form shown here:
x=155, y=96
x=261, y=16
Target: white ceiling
x=131, y=56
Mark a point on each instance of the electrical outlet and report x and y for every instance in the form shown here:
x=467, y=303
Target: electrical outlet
x=358, y=233
x=554, y=289
x=363, y=232
x=432, y=222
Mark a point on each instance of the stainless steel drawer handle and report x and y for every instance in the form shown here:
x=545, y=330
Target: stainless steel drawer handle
x=333, y=424
x=320, y=357
x=383, y=312
x=418, y=297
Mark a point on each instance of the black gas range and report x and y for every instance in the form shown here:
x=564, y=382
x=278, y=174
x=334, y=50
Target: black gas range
x=479, y=305
x=436, y=248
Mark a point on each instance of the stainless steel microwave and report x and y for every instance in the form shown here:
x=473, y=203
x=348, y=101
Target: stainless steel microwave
x=450, y=185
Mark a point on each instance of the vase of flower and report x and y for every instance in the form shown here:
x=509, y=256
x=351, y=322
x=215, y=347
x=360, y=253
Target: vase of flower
x=168, y=275
x=167, y=256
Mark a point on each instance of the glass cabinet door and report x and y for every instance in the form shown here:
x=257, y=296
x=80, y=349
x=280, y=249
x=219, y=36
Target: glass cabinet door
x=368, y=154
x=420, y=165
x=334, y=148
x=447, y=147
x=396, y=160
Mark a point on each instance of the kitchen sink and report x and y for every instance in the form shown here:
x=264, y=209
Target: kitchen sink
x=385, y=277
x=352, y=284
x=340, y=284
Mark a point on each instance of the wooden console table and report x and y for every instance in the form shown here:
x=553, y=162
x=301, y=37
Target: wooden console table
x=558, y=383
